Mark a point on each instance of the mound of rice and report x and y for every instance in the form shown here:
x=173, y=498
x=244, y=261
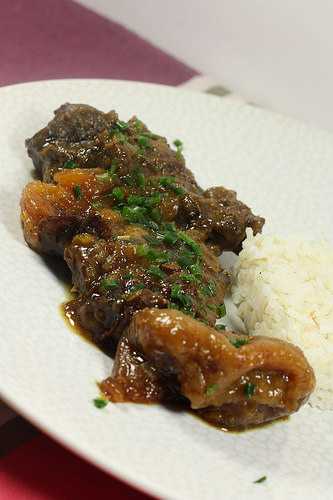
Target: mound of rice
x=284, y=288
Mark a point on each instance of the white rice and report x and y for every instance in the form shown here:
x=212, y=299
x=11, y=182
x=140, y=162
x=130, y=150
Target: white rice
x=284, y=288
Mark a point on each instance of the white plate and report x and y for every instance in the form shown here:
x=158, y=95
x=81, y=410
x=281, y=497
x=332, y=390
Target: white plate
x=284, y=171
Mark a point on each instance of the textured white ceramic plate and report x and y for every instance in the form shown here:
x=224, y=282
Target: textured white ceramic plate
x=283, y=170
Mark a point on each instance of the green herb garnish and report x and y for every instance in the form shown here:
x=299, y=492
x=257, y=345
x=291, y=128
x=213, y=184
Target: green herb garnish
x=121, y=138
x=186, y=259
x=183, y=299
x=150, y=135
x=134, y=199
x=221, y=311
x=143, y=141
x=109, y=284
x=220, y=327
x=153, y=200
x=121, y=125
x=136, y=288
x=190, y=278
x=191, y=243
x=156, y=272
x=70, y=164
x=211, y=389
x=152, y=240
x=118, y=194
x=77, y=192
x=100, y=403
x=260, y=480
x=169, y=183
x=152, y=254
x=134, y=214
x=136, y=178
x=138, y=125
x=196, y=270
x=211, y=307
x=209, y=289
x=170, y=237
x=239, y=342
x=179, y=147
x=128, y=276
x=249, y=389
x=109, y=174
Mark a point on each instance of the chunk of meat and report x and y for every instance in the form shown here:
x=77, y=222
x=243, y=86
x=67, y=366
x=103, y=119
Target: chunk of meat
x=106, y=311
x=73, y=135
x=80, y=136
x=220, y=216
x=231, y=379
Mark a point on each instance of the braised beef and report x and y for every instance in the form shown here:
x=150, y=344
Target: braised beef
x=142, y=241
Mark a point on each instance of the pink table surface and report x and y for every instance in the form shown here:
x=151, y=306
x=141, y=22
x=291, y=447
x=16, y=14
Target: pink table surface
x=45, y=39
x=41, y=469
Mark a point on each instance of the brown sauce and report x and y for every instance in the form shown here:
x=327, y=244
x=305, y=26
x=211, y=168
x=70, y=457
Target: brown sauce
x=239, y=430
x=68, y=314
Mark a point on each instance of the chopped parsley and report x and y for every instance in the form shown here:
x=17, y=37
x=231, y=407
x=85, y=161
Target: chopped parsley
x=190, y=278
x=153, y=200
x=109, y=284
x=261, y=479
x=211, y=307
x=136, y=288
x=211, y=389
x=186, y=259
x=136, y=178
x=134, y=214
x=118, y=194
x=221, y=311
x=77, y=192
x=249, y=389
x=70, y=164
x=179, y=147
x=100, y=403
x=239, y=342
x=181, y=298
x=169, y=183
x=191, y=243
x=109, y=174
x=138, y=125
x=209, y=290
x=121, y=125
x=144, y=201
x=128, y=276
x=150, y=135
x=152, y=254
x=143, y=141
x=135, y=199
x=152, y=240
x=120, y=136
x=196, y=270
x=170, y=237
x=220, y=327
x=156, y=272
